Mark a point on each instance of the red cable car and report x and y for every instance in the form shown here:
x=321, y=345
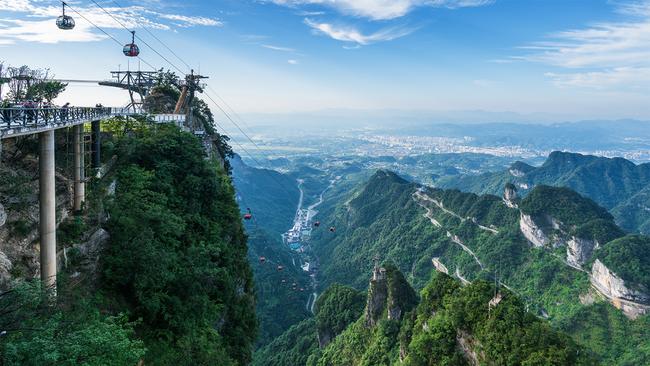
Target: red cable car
x=248, y=216
x=317, y=224
x=65, y=22
x=131, y=49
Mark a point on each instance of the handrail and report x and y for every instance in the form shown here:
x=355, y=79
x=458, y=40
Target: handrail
x=26, y=117
x=18, y=121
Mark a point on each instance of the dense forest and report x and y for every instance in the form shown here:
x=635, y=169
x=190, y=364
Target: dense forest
x=616, y=184
x=170, y=286
x=447, y=324
x=384, y=215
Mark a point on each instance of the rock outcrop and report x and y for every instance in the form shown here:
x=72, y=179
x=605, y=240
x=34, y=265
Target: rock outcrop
x=3, y=215
x=579, y=251
x=324, y=338
x=533, y=233
x=389, y=296
x=633, y=303
x=377, y=296
x=510, y=196
x=439, y=266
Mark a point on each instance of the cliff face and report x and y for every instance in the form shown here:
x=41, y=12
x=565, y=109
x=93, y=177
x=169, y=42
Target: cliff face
x=579, y=251
x=533, y=233
x=510, y=196
x=389, y=296
x=633, y=303
x=377, y=296
x=19, y=214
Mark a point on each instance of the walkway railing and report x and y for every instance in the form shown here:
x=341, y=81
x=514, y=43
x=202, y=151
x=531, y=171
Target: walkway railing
x=19, y=121
x=26, y=117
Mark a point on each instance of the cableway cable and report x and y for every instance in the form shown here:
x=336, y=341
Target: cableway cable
x=136, y=36
x=107, y=34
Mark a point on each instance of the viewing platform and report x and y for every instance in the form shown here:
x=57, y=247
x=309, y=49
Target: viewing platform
x=21, y=121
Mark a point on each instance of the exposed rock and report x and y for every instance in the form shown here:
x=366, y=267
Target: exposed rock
x=389, y=295
x=324, y=338
x=87, y=253
x=516, y=173
x=510, y=196
x=533, y=233
x=579, y=251
x=5, y=269
x=439, y=266
x=3, y=215
x=633, y=303
x=377, y=296
x=467, y=345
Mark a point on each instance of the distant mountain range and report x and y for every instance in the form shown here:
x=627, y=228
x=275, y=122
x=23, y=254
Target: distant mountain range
x=616, y=184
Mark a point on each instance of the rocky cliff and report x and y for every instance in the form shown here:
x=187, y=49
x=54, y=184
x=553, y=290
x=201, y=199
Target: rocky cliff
x=389, y=296
x=632, y=302
x=19, y=212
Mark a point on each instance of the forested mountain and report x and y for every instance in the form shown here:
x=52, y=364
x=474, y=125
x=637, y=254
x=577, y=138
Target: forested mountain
x=448, y=324
x=153, y=271
x=271, y=196
x=616, y=184
x=548, y=248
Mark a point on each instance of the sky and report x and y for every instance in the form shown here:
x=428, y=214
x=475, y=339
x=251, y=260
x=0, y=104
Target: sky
x=546, y=60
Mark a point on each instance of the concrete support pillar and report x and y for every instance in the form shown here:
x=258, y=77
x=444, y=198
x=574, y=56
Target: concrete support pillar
x=79, y=168
x=47, y=203
x=97, y=143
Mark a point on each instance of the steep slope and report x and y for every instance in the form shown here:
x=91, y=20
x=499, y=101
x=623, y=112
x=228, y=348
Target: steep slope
x=544, y=248
x=154, y=271
x=272, y=198
x=448, y=324
x=335, y=309
x=615, y=184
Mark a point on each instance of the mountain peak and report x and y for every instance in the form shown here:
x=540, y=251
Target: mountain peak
x=387, y=175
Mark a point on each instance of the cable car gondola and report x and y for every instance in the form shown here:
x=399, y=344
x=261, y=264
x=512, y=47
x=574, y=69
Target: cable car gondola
x=262, y=259
x=280, y=268
x=65, y=22
x=131, y=49
x=248, y=216
x=317, y=224
x=332, y=229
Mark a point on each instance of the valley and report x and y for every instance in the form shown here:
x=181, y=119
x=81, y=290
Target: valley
x=543, y=245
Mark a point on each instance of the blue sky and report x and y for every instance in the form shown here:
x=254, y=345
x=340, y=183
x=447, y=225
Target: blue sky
x=549, y=59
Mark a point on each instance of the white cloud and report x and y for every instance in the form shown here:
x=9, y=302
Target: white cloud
x=41, y=31
x=601, y=55
x=187, y=21
x=278, y=48
x=353, y=35
x=631, y=77
x=293, y=62
x=382, y=9
x=24, y=27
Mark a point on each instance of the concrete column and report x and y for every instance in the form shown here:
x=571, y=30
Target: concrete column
x=97, y=143
x=79, y=166
x=47, y=224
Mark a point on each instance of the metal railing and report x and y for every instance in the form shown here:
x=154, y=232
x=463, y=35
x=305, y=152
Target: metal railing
x=19, y=121
x=31, y=118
